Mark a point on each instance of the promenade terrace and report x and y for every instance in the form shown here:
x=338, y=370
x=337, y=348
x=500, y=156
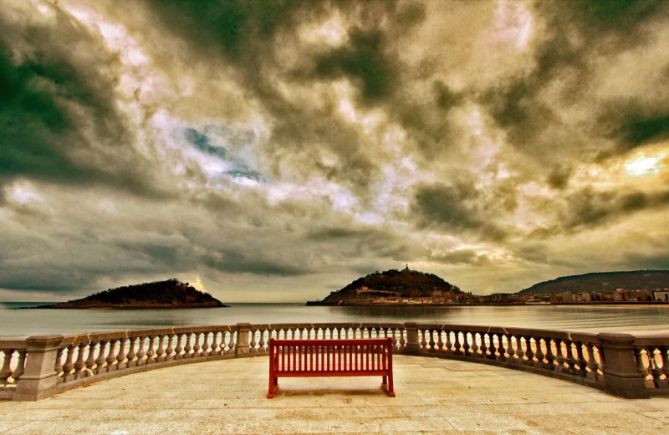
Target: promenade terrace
x=438, y=386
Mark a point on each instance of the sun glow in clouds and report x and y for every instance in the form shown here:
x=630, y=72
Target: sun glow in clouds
x=644, y=165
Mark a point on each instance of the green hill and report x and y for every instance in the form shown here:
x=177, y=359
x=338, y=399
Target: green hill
x=390, y=284
x=603, y=281
x=160, y=294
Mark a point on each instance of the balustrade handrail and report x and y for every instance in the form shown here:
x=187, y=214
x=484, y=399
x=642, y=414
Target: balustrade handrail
x=622, y=364
x=129, y=333
x=549, y=333
x=13, y=343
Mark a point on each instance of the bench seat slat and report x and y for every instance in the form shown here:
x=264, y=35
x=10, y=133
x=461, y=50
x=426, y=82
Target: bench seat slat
x=330, y=374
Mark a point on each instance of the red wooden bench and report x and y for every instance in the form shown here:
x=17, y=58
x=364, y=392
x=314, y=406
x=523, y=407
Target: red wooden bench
x=356, y=357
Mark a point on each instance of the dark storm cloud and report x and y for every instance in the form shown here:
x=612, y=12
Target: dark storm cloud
x=235, y=28
x=588, y=208
x=646, y=260
x=558, y=178
x=462, y=256
x=363, y=61
x=246, y=34
x=456, y=207
x=186, y=255
x=51, y=281
x=240, y=262
x=334, y=233
x=57, y=104
x=633, y=123
x=576, y=32
x=619, y=17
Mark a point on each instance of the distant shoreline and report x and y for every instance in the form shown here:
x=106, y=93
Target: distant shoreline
x=490, y=304
x=121, y=307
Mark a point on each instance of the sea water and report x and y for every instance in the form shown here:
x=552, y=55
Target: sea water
x=18, y=321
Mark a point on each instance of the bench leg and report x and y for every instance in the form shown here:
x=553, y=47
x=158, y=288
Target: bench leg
x=389, y=385
x=273, y=382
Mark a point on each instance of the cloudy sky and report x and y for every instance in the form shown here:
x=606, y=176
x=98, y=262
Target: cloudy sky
x=277, y=151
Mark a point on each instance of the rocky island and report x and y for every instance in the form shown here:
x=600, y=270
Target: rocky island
x=160, y=294
x=396, y=287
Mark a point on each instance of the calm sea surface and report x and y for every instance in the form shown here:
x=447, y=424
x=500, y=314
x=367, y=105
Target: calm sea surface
x=636, y=319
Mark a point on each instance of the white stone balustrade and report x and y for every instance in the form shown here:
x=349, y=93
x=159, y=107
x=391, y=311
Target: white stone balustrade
x=621, y=364
x=12, y=360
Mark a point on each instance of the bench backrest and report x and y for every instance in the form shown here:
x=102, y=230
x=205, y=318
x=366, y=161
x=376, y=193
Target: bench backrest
x=331, y=356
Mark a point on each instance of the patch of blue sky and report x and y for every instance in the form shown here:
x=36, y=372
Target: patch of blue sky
x=201, y=141
x=219, y=161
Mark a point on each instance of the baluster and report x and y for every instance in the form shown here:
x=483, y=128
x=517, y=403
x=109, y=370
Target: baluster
x=655, y=369
x=665, y=366
x=422, y=339
x=197, y=346
x=440, y=340
x=550, y=355
x=403, y=339
x=449, y=343
x=457, y=346
x=210, y=339
x=474, y=348
x=160, y=350
x=252, y=345
x=216, y=348
x=539, y=343
x=560, y=355
x=59, y=362
x=20, y=365
x=169, y=352
x=205, y=344
x=188, y=347
x=646, y=371
x=431, y=337
x=141, y=352
x=89, y=365
x=542, y=345
x=120, y=355
x=571, y=361
x=79, y=363
x=502, y=346
x=227, y=342
x=192, y=344
x=486, y=345
x=100, y=360
x=111, y=358
x=6, y=370
x=465, y=343
x=591, y=363
x=529, y=352
x=581, y=363
x=131, y=352
x=261, y=342
x=180, y=346
x=233, y=341
x=511, y=344
x=69, y=363
x=151, y=350
x=521, y=342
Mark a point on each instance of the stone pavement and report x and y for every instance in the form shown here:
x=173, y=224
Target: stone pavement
x=433, y=395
